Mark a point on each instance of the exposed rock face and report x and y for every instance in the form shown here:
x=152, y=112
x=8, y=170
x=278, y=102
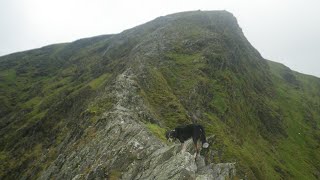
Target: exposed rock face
x=170, y=163
x=124, y=148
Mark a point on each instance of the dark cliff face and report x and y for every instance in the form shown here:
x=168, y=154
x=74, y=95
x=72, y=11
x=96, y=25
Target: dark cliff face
x=98, y=107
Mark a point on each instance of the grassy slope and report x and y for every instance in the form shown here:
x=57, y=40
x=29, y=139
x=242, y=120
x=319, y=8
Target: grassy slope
x=42, y=91
x=298, y=96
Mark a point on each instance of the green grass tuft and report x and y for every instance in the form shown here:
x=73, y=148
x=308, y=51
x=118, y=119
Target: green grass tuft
x=157, y=131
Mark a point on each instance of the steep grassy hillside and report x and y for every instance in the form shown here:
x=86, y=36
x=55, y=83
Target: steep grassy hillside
x=298, y=97
x=42, y=92
x=181, y=68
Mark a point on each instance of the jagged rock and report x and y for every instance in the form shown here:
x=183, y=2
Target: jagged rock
x=223, y=170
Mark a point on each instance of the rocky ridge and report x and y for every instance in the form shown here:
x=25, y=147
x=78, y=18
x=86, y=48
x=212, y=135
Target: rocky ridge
x=122, y=143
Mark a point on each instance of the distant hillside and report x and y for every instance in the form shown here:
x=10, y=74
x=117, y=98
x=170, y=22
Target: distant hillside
x=98, y=107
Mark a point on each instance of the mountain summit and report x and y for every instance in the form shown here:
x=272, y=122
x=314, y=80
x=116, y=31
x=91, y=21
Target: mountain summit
x=98, y=108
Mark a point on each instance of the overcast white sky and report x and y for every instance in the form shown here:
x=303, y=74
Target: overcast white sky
x=287, y=31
